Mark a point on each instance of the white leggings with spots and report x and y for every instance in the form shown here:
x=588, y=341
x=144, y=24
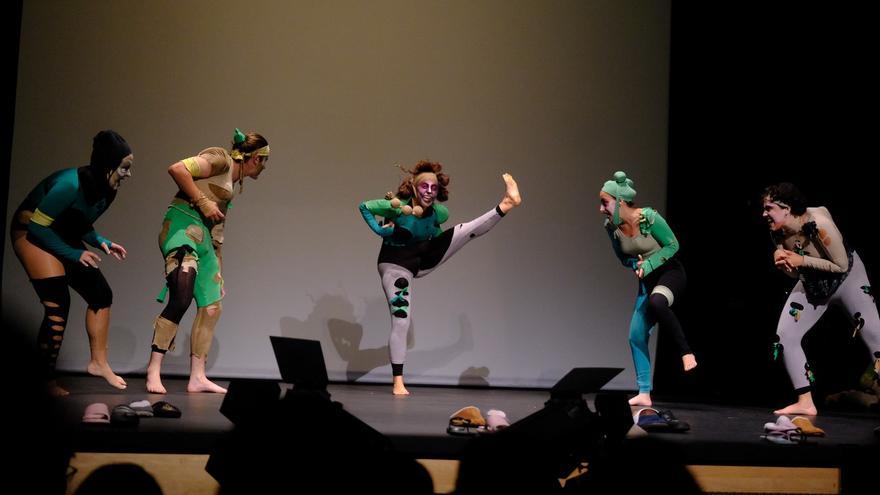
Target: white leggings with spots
x=799, y=316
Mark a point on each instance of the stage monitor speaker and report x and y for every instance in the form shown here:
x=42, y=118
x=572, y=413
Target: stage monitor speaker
x=247, y=396
x=568, y=431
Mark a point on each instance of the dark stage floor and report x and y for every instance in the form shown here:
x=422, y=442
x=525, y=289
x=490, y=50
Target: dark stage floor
x=719, y=435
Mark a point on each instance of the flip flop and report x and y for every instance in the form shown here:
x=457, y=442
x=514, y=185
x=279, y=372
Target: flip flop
x=465, y=430
x=675, y=424
x=467, y=416
x=142, y=408
x=496, y=420
x=651, y=411
x=651, y=420
x=163, y=409
x=123, y=415
x=793, y=437
x=97, y=413
x=807, y=427
x=659, y=421
x=782, y=424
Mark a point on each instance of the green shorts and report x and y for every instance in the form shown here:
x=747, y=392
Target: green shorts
x=183, y=226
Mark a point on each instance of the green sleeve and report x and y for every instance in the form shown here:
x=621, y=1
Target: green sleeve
x=382, y=207
x=654, y=224
x=95, y=239
x=62, y=194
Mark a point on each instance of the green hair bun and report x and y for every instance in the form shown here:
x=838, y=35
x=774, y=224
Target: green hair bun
x=238, y=137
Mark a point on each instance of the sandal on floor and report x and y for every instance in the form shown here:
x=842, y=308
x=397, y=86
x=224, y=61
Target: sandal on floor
x=163, y=409
x=782, y=424
x=497, y=420
x=123, y=415
x=792, y=437
x=654, y=420
x=96, y=413
x=465, y=430
x=469, y=416
x=142, y=408
x=675, y=424
x=807, y=427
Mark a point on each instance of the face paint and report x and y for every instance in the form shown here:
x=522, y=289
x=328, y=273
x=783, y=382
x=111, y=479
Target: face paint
x=607, y=204
x=774, y=214
x=122, y=172
x=426, y=192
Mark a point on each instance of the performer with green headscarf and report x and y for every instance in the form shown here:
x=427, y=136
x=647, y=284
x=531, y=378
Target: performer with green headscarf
x=191, y=240
x=643, y=242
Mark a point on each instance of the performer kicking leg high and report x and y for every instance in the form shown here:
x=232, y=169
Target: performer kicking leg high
x=414, y=245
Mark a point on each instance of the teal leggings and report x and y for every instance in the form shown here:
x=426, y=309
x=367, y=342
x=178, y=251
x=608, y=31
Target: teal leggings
x=639, y=332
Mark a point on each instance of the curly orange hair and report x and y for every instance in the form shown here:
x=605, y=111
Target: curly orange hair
x=405, y=190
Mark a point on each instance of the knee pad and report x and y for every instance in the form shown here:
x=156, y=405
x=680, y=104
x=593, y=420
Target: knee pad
x=203, y=329
x=163, y=334
x=664, y=291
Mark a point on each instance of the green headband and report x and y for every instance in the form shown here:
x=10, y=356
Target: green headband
x=621, y=189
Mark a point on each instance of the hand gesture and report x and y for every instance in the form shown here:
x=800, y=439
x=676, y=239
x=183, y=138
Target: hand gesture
x=640, y=272
x=115, y=249
x=88, y=258
x=787, y=260
x=209, y=209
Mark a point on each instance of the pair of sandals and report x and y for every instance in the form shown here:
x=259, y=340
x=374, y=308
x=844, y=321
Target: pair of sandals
x=655, y=420
x=786, y=431
x=470, y=421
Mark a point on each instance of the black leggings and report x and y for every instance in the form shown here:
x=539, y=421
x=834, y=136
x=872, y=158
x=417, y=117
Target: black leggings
x=55, y=297
x=672, y=277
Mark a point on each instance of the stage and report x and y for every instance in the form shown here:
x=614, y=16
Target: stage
x=416, y=424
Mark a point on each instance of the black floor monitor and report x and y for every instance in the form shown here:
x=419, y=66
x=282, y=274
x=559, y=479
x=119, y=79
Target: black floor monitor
x=301, y=362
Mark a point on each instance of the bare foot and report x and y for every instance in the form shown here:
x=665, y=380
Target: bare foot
x=103, y=370
x=204, y=385
x=641, y=400
x=154, y=384
x=56, y=391
x=511, y=196
x=689, y=361
x=398, y=388
x=804, y=406
x=797, y=409
x=154, y=373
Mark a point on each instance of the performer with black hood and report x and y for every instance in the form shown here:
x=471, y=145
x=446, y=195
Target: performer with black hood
x=47, y=232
